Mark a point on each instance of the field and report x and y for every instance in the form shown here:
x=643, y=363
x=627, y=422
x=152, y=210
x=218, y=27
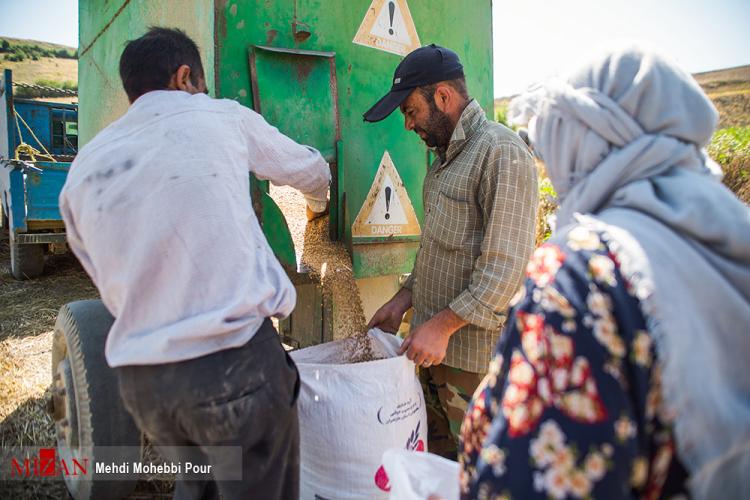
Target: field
x=27, y=316
x=28, y=309
x=50, y=71
x=46, y=68
x=729, y=90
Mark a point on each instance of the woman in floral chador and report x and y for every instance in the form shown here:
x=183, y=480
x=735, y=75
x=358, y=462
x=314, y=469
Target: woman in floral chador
x=624, y=369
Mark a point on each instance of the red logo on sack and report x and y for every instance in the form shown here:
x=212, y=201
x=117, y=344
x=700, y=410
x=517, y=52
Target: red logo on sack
x=381, y=480
x=412, y=444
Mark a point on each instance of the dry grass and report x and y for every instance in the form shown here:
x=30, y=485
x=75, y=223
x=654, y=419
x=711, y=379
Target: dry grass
x=709, y=79
x=733, y=107
x=25, y=364
x=27, y=317
x=30, y=307
x=729, y=89
x=46, y=68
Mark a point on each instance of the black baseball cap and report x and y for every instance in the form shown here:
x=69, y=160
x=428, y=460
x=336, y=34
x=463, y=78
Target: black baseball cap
x=424, y=66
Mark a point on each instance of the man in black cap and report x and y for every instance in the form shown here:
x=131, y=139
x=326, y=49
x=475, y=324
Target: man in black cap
x=480, y=200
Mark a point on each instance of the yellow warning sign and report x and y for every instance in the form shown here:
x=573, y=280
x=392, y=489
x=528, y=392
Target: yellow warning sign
x=388, y=26
x=387, y=210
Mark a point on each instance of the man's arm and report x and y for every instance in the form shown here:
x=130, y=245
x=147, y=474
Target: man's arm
x=388, y=317
x=427, y=344
x=409, y=282
x=508, y=197
x=276, y=157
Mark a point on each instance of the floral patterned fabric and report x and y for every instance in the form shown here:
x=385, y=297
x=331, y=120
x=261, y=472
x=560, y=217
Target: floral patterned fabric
x=571, y=406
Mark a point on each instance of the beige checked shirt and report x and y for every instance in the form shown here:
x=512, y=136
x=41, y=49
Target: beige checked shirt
x=480, y=205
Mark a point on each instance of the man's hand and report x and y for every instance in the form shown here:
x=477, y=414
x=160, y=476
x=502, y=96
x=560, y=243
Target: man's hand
x=427, y=344
x=314, y=215
x=388, y=317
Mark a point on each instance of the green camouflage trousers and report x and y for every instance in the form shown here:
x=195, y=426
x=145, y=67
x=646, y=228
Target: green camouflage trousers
x=447, y=392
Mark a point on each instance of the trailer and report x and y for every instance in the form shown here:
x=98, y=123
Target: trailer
x=311, y=68
x=38, y=141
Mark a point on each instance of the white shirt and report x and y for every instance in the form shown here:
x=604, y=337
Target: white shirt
x=157, y=208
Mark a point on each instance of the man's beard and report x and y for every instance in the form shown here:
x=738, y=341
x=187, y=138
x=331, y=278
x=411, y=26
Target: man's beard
x=437, y=130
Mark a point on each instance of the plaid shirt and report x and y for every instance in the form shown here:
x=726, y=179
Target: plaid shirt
x=480, y=203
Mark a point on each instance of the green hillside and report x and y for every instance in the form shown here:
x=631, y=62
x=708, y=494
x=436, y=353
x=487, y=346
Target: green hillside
x=40, y=63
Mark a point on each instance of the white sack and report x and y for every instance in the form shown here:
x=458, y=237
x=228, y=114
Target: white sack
x=349, y=414
x=416, y=476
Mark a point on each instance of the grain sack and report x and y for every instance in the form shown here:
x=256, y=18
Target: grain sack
x=350, y=414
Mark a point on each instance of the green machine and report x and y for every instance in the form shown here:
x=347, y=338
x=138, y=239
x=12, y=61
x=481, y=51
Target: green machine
x=311, y=68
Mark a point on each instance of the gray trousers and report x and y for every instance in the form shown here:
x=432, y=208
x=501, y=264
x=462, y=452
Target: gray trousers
x=244, y=396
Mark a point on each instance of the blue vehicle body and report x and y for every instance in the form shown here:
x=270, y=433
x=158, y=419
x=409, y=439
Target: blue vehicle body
x=30, y=187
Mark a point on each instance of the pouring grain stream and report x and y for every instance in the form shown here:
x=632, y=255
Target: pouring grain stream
x=329, y=262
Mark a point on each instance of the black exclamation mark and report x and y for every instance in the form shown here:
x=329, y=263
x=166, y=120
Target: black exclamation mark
x=387, y=200
x=391, y=11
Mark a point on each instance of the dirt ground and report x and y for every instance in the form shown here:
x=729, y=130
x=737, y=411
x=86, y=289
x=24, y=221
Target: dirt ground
x=27, y=317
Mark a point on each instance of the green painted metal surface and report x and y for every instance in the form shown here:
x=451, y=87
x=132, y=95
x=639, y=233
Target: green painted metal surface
x=277, y=233
x=363, y=74
x=316, y=95
x=104, y=26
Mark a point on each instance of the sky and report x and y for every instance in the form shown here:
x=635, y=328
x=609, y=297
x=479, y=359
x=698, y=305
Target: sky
x=53, y=21
x=536, y=39
x=533, y=39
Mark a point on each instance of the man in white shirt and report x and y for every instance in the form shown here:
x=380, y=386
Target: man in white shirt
x=157, y=209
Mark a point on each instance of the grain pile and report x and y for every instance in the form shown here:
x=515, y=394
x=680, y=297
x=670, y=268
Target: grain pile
x=329, y=262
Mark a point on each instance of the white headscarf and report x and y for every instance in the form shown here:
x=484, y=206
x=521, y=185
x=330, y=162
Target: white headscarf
x=622, y=140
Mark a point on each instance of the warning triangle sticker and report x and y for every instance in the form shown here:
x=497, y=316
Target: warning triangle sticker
x=387, y=210
x=388, y=26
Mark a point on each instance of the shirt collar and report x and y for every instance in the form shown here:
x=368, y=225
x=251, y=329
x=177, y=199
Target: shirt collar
x=472, y=119
x=158, y=96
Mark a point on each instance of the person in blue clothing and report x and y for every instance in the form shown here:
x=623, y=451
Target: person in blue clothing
x=623, y=370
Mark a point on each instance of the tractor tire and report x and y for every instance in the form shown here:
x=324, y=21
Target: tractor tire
x=86, y=403
x=27, y=260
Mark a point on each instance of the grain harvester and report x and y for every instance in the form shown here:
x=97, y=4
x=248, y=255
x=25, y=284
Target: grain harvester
x=311, y=68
